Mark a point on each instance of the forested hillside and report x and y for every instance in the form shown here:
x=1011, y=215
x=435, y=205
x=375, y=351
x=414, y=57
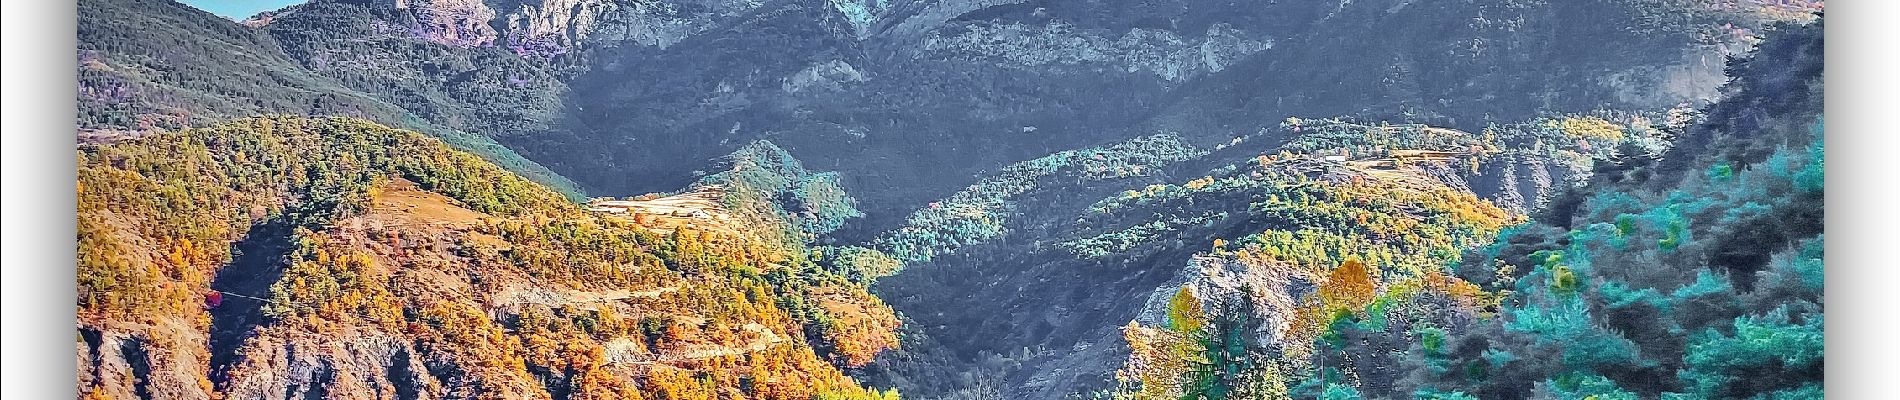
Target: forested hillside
x=152, y=65
x=955, y=199
x=308, y=258
x=620, y=95
x=1366, y=249
x=1690, y=273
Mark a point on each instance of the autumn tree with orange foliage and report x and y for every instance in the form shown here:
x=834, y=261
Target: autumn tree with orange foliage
x=1351, y=286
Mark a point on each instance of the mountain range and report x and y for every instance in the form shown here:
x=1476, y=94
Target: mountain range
x=950, y=199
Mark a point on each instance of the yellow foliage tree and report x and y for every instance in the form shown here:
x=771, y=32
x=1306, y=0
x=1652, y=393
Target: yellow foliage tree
x=1351, y=286
x=1591, y=128
x=1184, y=312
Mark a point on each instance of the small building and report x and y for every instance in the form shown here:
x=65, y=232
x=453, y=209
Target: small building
x=1336, y=158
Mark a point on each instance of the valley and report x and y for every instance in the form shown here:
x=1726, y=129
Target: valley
x=952, y=199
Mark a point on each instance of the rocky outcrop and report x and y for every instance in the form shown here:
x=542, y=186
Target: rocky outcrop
x=861, y=14
x=460, y=23
x=126, y=360
x=555, y=26
x=1163, y=53
x=286, y=365
x=1272, y=287
x=830, y=75
x=546, y=28
x=930, y=15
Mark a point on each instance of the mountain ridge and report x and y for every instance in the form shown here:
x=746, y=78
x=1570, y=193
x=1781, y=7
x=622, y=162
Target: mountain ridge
x=410, y=269
x=955, y=199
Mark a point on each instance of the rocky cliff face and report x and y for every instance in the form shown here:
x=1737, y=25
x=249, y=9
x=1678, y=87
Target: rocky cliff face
x=460, y=23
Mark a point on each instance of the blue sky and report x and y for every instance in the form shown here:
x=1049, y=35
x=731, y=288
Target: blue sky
x=239, y=9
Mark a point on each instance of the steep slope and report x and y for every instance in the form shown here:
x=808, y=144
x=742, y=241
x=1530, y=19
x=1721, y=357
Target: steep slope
x=1670, y=274
x=312, y=258
x=1020, y=279
x=862, y=87
x=1091, y=163
x=164, y=65
x=598, y=89
x=1692, y=266
x=1055, y=253
x=1027, y=281
x=150, y=65
x=592, y=88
